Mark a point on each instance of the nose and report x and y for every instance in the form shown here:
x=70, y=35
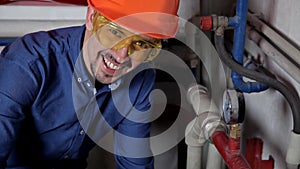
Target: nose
x=121, y=55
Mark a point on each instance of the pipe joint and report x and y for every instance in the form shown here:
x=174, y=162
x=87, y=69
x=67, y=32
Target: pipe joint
x=247, y=87
x=198, y=97
x=233, y=21
x=212, y=125
x=219, y=31
x=235, y=131
x=213, y=22
x=202, y=128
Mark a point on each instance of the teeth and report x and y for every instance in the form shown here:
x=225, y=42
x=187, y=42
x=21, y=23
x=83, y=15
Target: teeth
x=109, y=64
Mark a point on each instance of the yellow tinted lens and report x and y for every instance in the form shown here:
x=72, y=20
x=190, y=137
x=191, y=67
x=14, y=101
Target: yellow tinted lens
x=112, y=36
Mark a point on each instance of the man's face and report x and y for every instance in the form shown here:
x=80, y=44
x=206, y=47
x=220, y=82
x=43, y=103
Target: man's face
x=114, y=51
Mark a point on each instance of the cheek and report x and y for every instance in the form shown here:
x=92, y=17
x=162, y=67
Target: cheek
x=135, y=63
x=94, y=46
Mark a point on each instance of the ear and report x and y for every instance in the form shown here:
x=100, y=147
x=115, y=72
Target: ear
x=89, y=18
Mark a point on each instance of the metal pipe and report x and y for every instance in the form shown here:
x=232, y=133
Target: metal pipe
x=274, y=54
x=289, y=93
x=231, y=154
x=277, y=39
x=239, y=24
x=240, y=30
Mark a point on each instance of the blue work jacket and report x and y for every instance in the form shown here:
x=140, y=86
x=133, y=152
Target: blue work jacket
x=52, y=114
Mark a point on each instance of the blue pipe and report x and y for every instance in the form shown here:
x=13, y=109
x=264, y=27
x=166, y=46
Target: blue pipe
x=239, y=23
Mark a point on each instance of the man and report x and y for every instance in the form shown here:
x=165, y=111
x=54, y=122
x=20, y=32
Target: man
x=61, y=91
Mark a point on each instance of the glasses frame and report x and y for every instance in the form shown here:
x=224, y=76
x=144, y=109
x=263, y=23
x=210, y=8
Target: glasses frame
x=99, y=21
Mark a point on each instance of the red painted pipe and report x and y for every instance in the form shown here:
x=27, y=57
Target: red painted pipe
x=229, y=150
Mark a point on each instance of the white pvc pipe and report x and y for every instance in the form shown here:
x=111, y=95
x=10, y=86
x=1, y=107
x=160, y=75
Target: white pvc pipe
x=201, y=102
x=214, y=159
x=199, y=130
x=193, y=160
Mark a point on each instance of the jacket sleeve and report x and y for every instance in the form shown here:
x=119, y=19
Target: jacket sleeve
x=132, y=135
x=16, y=91
x=133, y=152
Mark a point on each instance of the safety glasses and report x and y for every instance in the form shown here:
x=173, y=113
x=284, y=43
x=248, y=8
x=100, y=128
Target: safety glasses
x=114, y=37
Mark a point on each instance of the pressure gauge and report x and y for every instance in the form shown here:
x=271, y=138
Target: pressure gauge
x=233, y=106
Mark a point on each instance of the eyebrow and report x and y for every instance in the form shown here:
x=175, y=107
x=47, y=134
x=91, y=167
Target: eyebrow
x=145, y=38
x=119, y=28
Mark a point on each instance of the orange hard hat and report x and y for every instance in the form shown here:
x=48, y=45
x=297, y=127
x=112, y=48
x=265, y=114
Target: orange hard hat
x=155, y=18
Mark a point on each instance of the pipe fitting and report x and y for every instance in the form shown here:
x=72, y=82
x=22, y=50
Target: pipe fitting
x=202, y=128
x=213, y=22
x=235, y=131
x=219, y=31
x=206, y=23
x=222, y=21
x=211, y=124
x=199, y=99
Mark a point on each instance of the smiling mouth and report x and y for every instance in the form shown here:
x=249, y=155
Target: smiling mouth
x=110, y=62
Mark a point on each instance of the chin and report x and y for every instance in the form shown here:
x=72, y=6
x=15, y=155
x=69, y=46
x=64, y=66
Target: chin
x=106, y=79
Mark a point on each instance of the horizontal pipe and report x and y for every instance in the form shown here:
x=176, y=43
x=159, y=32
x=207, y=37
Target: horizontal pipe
x=276, y=38
x=274, y=55
x=232, y=157
x=247, y=87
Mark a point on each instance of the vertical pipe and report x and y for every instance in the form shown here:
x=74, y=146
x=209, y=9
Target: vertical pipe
x=194, y=157
x=240, y=30
x=239, y=24
x=199, y=130
x=214, y=159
